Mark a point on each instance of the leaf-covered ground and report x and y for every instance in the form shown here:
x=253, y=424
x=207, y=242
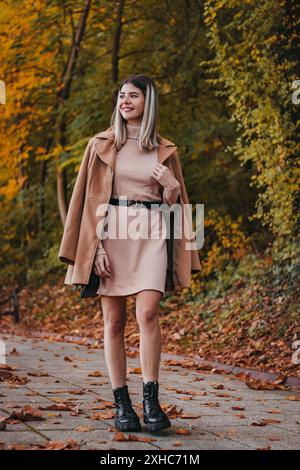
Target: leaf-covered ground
x=246, y=327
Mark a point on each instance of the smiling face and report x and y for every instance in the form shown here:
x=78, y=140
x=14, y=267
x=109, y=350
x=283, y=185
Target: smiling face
x=131, y=103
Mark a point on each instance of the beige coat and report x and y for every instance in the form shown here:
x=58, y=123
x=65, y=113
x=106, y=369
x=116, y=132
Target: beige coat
x=92, y=190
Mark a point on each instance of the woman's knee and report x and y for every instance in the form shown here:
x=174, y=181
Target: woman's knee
x=115, y=324
x=114, y=315
x=147, y=316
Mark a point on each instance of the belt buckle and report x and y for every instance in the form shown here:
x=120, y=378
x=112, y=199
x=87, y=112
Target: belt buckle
x=133, y=203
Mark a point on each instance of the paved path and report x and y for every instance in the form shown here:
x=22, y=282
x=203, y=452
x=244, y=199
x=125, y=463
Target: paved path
x=201, y=403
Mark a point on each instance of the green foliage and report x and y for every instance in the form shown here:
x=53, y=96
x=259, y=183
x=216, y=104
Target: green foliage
x=223, y=74
x=253, y=68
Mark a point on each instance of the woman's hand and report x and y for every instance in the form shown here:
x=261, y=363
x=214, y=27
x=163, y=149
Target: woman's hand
x=101, y=265
x=163, y=175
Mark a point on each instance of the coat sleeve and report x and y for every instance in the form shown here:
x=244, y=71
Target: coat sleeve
x=170, y=194
x=69, y=240
x=196, y=265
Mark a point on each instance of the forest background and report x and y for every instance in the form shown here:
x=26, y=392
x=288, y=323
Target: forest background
x=225, y=73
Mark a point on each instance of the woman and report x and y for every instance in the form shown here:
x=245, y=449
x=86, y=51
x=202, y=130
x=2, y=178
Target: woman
x=131, y=263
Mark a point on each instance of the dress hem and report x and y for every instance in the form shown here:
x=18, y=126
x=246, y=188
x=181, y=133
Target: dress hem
x=132, y=293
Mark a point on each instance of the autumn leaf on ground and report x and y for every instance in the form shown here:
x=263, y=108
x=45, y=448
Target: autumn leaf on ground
x=17, y=447
x=132, y=437
x=83, y=429
x=58, y=407
x=27, y=413
x=270, y=421
x=96, y=373
x=207, y=367
x=98, y=407
x=7, y=376
x=256, y=385
x=188, y=392
x=14, y=352
x=57, y=445
x=7, y=367
x=293, y=398
x=172, y=362
x=173, y=412
x=134, y=370
x=216, y=385
x=239, y=415
x=189, y=416
x=108, y=404
x=119, y=436
x=104, y=415
x=38, y=374
x=182, y=431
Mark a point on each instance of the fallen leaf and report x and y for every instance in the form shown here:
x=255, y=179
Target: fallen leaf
x=27, y=413
x=134, y=370
x=83, y=429
x=38, y=374
x=96, y=373
x=14, y=352
x=189, y=416
x=182, y=431
x=132, y=437
x=105, y=415
x=293, y=398
x=216, y=385
x=119, y=436
x=57, y=407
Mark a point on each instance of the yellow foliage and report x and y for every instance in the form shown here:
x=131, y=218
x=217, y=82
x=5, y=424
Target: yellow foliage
x=225, y=240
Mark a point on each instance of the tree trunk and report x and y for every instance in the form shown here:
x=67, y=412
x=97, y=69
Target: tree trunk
x=66, y=82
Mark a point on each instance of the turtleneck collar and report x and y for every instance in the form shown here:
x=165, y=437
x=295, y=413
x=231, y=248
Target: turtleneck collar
x=132, y=130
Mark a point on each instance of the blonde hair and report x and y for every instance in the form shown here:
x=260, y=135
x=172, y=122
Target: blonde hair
x=148, y=138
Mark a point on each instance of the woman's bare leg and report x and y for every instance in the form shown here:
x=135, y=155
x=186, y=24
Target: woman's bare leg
x=114, y=314
x=147, y=315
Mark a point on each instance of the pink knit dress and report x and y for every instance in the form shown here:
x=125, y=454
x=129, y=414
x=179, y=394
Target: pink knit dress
x=134, y=239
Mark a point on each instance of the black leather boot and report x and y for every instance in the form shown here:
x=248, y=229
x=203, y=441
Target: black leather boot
x=155, y=418
x=126, y=418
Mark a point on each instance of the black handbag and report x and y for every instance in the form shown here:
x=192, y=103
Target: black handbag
x=90, y=289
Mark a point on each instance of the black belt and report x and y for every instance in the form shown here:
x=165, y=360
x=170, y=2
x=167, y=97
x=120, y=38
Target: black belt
x=170, y=241
x=135, y=203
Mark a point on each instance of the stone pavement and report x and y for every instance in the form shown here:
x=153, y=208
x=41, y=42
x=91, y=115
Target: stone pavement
x=207, y=410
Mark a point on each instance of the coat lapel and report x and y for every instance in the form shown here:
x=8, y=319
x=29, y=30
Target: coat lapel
x=107, y=152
